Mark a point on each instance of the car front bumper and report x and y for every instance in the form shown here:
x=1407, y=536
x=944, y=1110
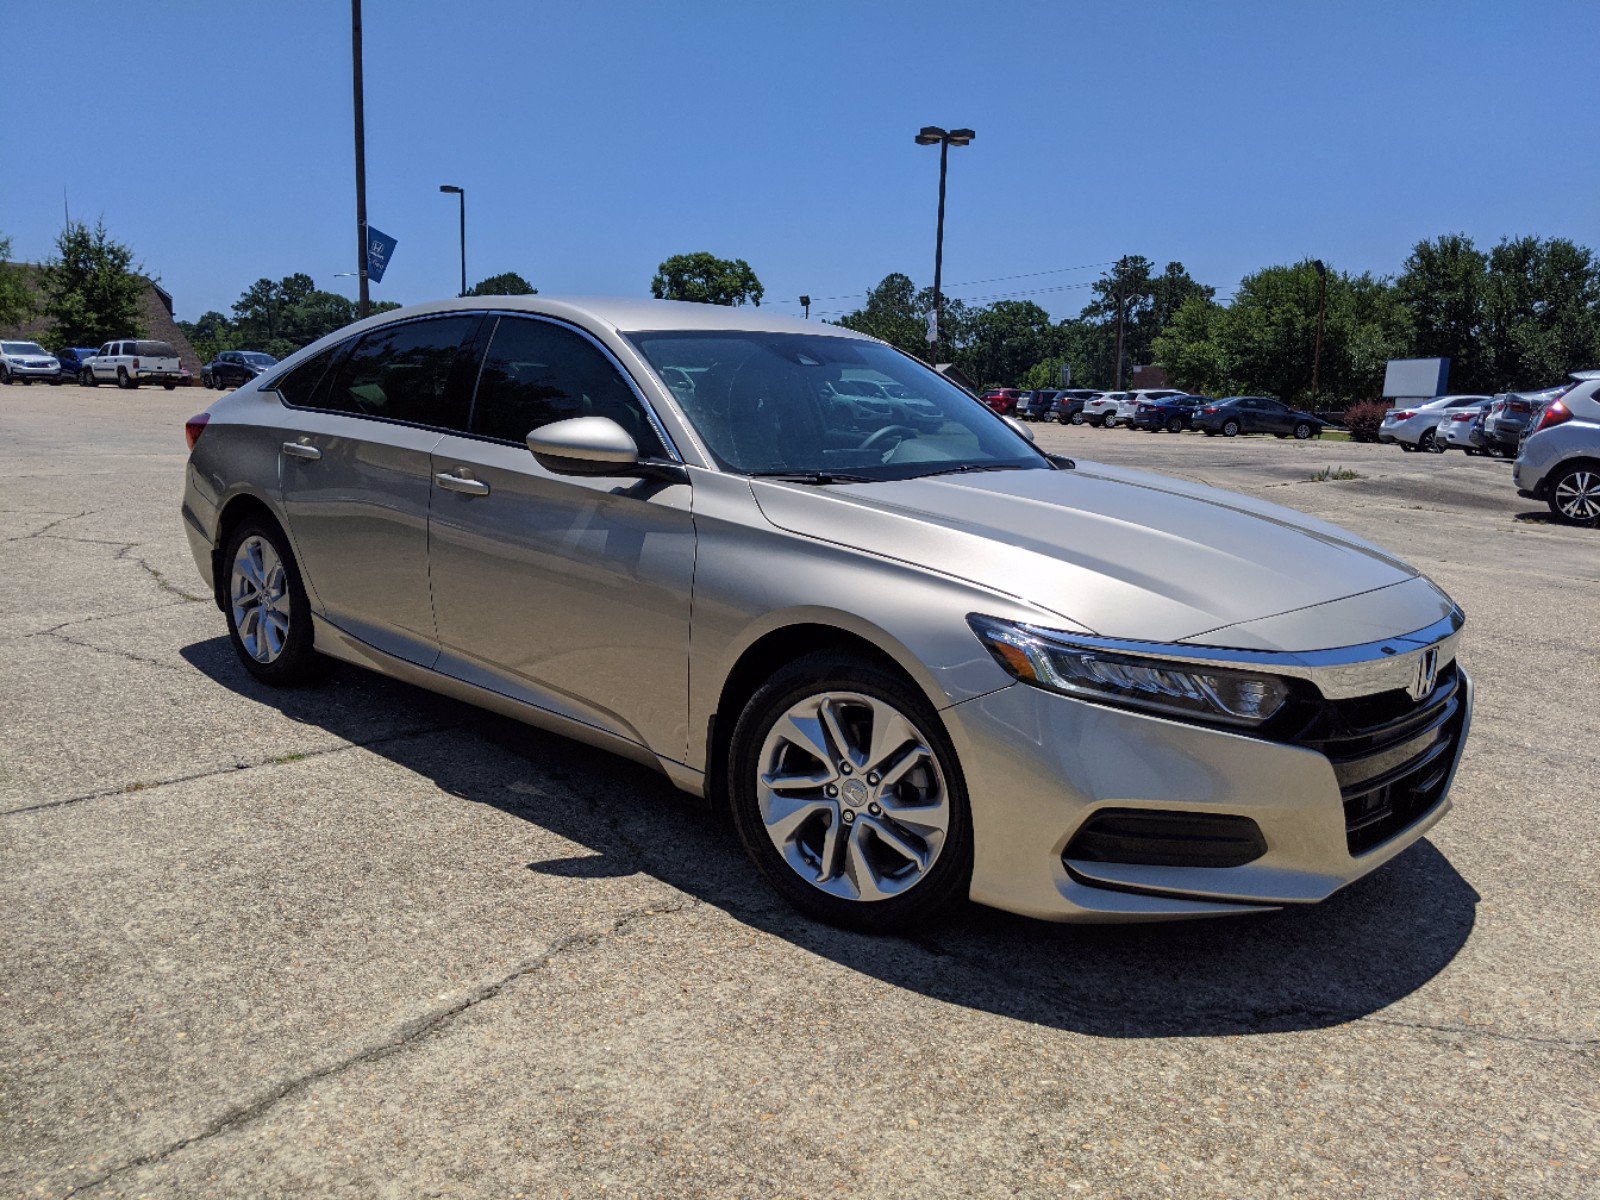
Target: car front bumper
x=1038, y=765
x=32, y=372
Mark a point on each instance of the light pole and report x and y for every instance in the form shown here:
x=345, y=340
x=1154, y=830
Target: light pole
x=361, y=155
x=1322, y=311
x=461, y=193
x=932, y=135
x=805, y=302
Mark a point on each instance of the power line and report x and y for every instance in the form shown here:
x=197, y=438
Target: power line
x=977, y=282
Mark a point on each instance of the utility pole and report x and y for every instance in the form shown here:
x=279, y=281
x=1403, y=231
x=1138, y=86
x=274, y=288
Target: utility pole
x=1322, y=312
x=805, y=303
x=1119, y=340
x=361, y=158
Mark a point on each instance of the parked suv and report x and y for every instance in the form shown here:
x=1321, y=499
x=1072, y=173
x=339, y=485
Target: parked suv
x=1417, y=427
x=1559, y=462
x=1101, y=410
x=234, y=367
x=1253, y=414
x=840, y=639
x=130, y=363
x=1002, y=400
x=1034, y=405
x=25, y=362
x=1069, y=405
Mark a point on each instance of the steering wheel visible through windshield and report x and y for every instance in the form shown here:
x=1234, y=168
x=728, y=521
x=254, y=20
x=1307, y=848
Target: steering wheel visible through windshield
x=810, y=404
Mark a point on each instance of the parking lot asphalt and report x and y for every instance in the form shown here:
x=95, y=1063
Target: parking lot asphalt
x=361, y=940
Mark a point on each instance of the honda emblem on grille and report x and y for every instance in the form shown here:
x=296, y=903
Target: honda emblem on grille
x=1427, y=674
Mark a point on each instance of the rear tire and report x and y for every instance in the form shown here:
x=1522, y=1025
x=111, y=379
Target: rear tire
x=1231, y=429
x=268, y=614
x=123, y=380
x=1077, y=418
x=825, y=857
x=1175, y=425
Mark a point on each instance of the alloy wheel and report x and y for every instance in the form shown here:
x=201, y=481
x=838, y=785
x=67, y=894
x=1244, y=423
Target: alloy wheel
x=852, y=796
x=259, y=599
x=1577, y=495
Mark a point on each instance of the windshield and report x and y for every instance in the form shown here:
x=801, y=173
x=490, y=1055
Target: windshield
x=772, y=403
x=24, y=348
x=258, y=360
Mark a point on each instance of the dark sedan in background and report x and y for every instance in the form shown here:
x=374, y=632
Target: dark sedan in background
x=1253, y=414
x=1069, y=404
x=1035, y=405
x=233, y=368
x=1171, y=413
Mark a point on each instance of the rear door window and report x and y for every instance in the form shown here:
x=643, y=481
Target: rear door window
x=302, y=387
x=403, y=373
x=537, y=372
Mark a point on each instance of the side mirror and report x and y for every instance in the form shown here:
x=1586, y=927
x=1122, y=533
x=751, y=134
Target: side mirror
x=584, y=446
x=1019, y=427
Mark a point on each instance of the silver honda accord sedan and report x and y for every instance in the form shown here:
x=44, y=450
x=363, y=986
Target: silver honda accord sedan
x=915, y=657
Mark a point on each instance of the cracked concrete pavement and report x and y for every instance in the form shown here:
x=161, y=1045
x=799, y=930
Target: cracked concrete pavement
x=363, y=940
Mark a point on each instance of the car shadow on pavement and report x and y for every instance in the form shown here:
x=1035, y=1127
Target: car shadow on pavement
x=1364, y=949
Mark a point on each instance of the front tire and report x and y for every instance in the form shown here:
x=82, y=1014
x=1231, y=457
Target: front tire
x=5, y=378
x=87, y=379
x=269, y=616
x=1575, y=496
x=1303, y=431
x=848, y=796
x=1428, y=443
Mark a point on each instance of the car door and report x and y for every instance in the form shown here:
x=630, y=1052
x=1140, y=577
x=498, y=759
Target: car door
x=1275, y=417
x=567, y=592
x=356, y=474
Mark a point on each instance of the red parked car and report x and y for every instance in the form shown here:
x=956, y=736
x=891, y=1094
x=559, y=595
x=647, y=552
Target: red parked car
x=1002, y=400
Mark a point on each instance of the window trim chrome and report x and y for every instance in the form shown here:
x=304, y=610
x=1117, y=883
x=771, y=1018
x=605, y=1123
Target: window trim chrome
x=1339, y=673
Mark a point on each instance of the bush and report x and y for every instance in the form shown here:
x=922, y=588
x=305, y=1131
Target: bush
x=1362, y=420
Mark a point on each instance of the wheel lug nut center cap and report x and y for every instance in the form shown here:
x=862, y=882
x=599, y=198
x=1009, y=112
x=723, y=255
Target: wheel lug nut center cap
x=854, y=792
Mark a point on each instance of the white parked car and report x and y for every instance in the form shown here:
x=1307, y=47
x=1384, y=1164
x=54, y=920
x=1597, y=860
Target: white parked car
x=1121, y=410
x=1417, y=427
x=130, y=363
x=1462, y=429
x=23, y=362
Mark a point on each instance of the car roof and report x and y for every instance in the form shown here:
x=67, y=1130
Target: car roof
x=628, y=315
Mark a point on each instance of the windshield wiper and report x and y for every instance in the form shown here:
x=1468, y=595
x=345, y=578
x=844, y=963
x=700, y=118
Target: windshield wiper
x=816, y=477
x=965, y=467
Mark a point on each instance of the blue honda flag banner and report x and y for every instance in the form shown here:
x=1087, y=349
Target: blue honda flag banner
x=379, y=247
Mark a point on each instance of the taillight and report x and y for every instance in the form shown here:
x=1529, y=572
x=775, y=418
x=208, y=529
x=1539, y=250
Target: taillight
x=1554, y=414
x=1210, y=411
x=195, y=426
x=1466, y=416
x=1403, y=416
x=1520, y=406
x=136, y=364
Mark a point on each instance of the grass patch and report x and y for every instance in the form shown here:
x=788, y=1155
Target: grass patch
x=1334, y=435
x=1333, y=474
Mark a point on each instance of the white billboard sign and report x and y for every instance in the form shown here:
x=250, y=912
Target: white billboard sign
x=1414, y=377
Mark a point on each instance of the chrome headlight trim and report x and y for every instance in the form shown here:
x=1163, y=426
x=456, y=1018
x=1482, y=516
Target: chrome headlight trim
x=1339, y=673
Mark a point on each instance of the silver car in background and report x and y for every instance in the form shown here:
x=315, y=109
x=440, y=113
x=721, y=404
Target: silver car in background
x=1462, y=428
x=1559, y=461
x=917, y=664
x=1416, y=427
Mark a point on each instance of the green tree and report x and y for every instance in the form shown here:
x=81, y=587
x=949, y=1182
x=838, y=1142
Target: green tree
x=706, y=279
x=92, y=287
x=1003, y=342
x=1541, y=311
x=891, y=314
x=507, y=283
x=16, y=297
x=1148, y=301
x=1442, y=290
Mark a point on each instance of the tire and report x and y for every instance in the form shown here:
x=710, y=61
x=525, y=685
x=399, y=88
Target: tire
x=1174, y=424
x=859, y=693
x=1407, y=447
x=1231, y=428
x=289, y=659
x=1110, y=421
x=1428, y=443
x=5, y=378
x=1077, y=418
x=123, y=380
x=87, y=379
x=169, y=386
x=1210, y=432
x=1574, y=495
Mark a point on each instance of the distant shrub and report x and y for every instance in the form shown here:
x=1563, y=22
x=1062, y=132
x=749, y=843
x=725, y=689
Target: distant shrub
x=1362, y=420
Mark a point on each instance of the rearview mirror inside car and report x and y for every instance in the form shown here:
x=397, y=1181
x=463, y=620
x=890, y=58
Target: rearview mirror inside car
x=584, y=446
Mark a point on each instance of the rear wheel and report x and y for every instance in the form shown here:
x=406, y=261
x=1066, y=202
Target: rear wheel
x=1231, y=428
x=1174, y=424
x=1575, y=495
x=847, y=795
x=1111, y=421
x=269, y=617
x=123, y=379
x=1077, y=418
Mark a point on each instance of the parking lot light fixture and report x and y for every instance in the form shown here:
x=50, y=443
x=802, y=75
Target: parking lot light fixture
x=933, y=135
x=461, y=194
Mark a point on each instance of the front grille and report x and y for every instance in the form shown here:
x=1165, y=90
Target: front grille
x=1391, y=755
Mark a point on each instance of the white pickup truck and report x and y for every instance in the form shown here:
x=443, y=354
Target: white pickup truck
x=130, y=363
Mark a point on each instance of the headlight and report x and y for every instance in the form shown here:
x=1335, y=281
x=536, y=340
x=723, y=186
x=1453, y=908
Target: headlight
x=1054, y=661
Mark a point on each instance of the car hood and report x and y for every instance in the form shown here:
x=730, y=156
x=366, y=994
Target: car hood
x=1120, y=553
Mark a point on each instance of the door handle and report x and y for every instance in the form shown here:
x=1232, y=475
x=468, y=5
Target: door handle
x=301, y=450
x=462, y=484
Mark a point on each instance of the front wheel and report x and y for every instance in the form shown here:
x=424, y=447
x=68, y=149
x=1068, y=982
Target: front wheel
x=1231, y=429
x=1429, y=442
x=5, y=377
x=269, y=617
x=847, y=795
x=1575, y=496
x=1303, y=430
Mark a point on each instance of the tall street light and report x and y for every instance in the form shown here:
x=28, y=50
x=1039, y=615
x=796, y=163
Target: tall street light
x=462, y=194
x=361, y=155
x=932, y=135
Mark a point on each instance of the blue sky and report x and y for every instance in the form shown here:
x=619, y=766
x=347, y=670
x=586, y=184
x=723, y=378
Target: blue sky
x=594, y=138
